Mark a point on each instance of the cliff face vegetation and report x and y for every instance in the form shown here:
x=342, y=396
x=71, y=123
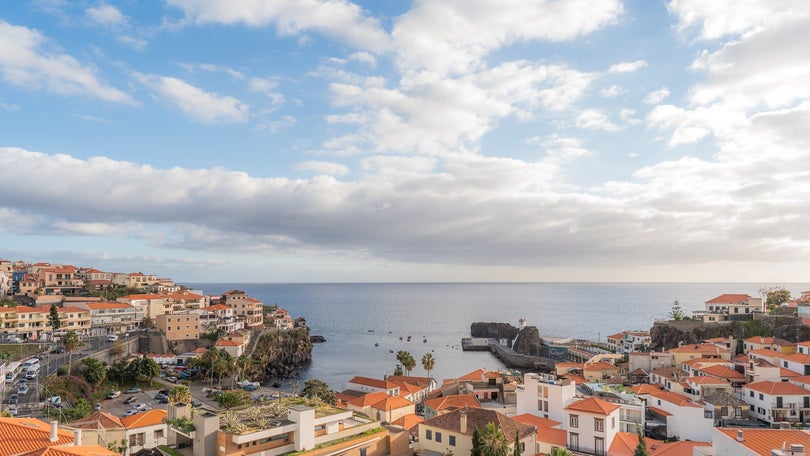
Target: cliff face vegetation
x=667, y=335
x=283, y=353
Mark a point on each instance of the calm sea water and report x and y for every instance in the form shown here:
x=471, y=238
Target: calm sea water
x=355, y=317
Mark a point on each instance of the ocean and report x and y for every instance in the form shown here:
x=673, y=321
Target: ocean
x=363, y=322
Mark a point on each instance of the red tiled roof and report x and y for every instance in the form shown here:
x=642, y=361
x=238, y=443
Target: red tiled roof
x=392, y=403
x=453, y=402
x=683, y=448
x=777, y=388
x=674, y=398
x=477, y=419
x=97, y=420
x=21, y=435
x=148, y=418
x=409, y=421
x=536, y=421
x=593, y=405
x=373, y=382
x=81, y=450
x=367, y=400
x=625, y=443
x=729, y=299
x=659, y=411
x=700, y=348
x=762, y=441
x=645, y=388
x=108, y=305
x=722, y=371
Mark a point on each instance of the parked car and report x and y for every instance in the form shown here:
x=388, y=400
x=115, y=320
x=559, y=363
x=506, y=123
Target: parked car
x=163, y=401
x=113, y=394
x=160, y=396
x=164, y=392
x=12, y=409
x=97, y=407
x=23, y=389
x=130, y=400
x=112, y=338
x=172, y=379
x=132, y=390
x=141, y=407
x=130, y=412
x=13, y=399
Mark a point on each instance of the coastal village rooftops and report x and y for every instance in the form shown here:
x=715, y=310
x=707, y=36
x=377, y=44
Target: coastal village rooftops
x=408, y=422
x=107, y=305
x=148, y=418
x=600, y=365
x=453, y=402
x=768, y=340
x=706, y=380
x=23, y=435
x=593, y=405
x=391, y=403
x=422, y=382
x=705, y=349
x=227, y=343
x=367, y=400
x=477, y=419
x=97, y=420
x=778, y=388
x=71, y=450
x=536, y=421
x=143, y=296
x=216, y=307
x=645, y=388
x=625, y=443
x=762, y=441
x=764, y=352
x=730, y=299
x=548, y=431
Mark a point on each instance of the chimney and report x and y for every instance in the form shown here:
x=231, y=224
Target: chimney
x=462, y=424
x=54, y=434
x=796, y=449
x=77, y=437
x=740, y=435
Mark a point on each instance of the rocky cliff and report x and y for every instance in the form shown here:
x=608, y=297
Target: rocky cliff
x=667, y=335
x=283, y=353
x=493, y=330
x=528, y=341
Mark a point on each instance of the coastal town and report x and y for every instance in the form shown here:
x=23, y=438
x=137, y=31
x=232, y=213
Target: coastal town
x=107, y=363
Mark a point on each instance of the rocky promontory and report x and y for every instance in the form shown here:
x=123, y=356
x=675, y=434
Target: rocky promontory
x=492, y=330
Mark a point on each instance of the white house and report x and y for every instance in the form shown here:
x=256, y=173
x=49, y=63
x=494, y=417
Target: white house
x=592, y=425
x=685, y=419
x=777, y=401
x=145, y=430
x=545, y=395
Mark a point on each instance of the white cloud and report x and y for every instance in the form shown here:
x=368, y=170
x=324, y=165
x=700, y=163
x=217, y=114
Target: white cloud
x=453, y=36
x=627, y=67
x=23, y=63
x=106, y=15
x=198, y=105
x=718, y=18
x=657, y=96
x=594, y=119
x=338, y=18
x=628, y=117
x=364, y=58
x=612, y=91
x=322, y=167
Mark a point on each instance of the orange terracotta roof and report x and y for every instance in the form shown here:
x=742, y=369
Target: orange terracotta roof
x=21, y=435
x=108, y=305
x=148, y=418
x=82, y=450
x=217, y=307
x=684, y=448
x=97, y=420
x=453, y=402
x=367, y=400
x=787, y=373
x=536, y=421
x=227, y=343
x=477, y=419
x=706, y=380
x=373, y=382
x=476, y=375
x=599, y=366
x=764, y=352
x=797, y=358
x=552, y=436
x=593, y=405
x=700, y=348
x=674, y=398
x=729, y=299
x=768, y=340
x=392, y=403
x=134, y=297
x=804, y=343
x=616, y=336
x=409, y=421
x=659, y=411
x=762, y=441
x=645, y=388
x=625, y=443
x=777, y=388
x=722, y=371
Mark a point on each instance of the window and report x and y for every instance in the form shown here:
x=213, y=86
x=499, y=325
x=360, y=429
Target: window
x=751, y=393
x=159, y=434
x=573, y=421
x=761, y=396
x=452, y=440
x=363, y=451
x=599, y=445
x=599, y=425
x=429, y=434
x=707, y=414
x=438, y=437
x=136, y=439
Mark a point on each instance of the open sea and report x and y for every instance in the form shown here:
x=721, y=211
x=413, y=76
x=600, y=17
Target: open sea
x=353, y=317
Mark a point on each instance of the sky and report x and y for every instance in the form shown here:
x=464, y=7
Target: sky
x=396, y=141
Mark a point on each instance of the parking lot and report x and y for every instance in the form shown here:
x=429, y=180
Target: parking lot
x=119, y=407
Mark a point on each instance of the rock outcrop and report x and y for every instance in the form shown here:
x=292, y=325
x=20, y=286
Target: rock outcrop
x=283, y=353
x=493, y=330
x=528, y=341
x=666, y=335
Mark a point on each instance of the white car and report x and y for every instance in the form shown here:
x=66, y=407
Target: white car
x=130, y=412
x=22, y=389
x=141, y=407
x=12, y=409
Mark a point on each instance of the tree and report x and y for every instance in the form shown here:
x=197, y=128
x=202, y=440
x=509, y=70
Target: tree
x=148, y=368
x=409, y=363
x=95, y=372
x=53, y=318
x=71, y=342
x=180, y=393
x=677, y=312
x=401, y=356
x=428, y=363
x=641, y=448
x=231, y=399
x=476, y=443
x=398, y=370
x=557, y=451
x=316, y=388
x=516, y=447
x=493, y=442
x=775, y=296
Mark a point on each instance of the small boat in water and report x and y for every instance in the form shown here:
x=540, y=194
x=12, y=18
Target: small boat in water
x=409, y=338
x=376, y=344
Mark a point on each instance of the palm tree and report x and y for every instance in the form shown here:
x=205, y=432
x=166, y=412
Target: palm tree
x=180, y=393
x=428, y=363
x=493, y=442
x=71, y=342
x=557, y=451
x=243, y=363
x=402, y=355
x=209, y=358
x=409, y=363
